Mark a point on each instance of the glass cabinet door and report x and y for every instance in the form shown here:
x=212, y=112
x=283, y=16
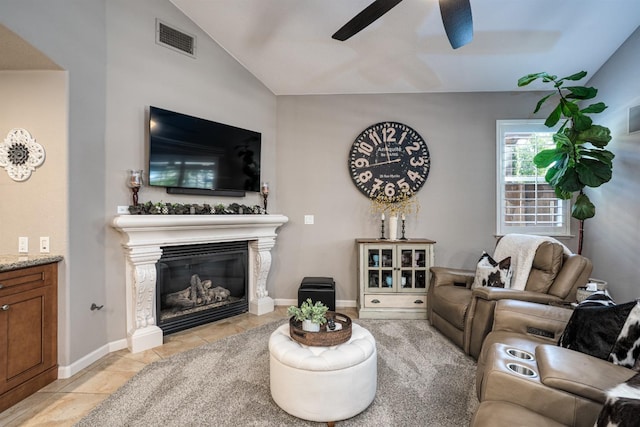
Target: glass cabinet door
x=380, y=268
x=413, y=270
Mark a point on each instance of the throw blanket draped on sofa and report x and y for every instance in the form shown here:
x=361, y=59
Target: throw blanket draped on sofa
x=522, y=249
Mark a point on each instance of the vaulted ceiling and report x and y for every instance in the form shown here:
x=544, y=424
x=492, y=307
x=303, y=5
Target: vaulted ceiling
x=287, y=44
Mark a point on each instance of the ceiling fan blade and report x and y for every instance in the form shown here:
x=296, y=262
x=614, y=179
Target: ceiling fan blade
x=457, y=20
x=359, y=22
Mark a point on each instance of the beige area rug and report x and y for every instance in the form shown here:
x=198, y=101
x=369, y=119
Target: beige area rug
x=423, y=380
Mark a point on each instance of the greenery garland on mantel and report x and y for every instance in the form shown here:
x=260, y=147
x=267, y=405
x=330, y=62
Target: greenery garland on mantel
x=161, y=208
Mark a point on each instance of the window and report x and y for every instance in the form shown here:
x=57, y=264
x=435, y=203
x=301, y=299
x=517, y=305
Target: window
x=526, y=204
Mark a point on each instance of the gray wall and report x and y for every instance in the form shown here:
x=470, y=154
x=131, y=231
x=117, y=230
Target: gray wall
x=612, y=237
x=457, y=203
x=141, y=73
x=72, y=34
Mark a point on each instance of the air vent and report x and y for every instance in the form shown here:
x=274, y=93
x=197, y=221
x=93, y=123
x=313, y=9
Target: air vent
x=175, y=39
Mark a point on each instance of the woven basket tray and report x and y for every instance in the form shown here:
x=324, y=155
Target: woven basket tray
x=326, y=337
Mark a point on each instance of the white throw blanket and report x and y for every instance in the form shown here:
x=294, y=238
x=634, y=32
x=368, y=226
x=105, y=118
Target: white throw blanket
x=522, y=249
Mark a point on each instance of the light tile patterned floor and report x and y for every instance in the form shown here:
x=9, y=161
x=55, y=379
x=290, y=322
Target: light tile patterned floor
x=66, y=401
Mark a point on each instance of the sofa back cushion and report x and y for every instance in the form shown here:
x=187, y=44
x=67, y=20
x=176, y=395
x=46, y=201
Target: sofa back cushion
x=547, y=262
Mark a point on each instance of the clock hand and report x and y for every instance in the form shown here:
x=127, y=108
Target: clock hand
x=382, y=163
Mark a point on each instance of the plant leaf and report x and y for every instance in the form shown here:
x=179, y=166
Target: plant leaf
x=554, y=117
x=604, y=156
x=581, y=92
x=581, y=122
x=569, y=108
x=570, y=181
x=575, y=77
x=583, y=208
x=542, y=101
x=545, y=158
x=596, y=108
x=593, y=173
x=525, y=80
x=597, y=135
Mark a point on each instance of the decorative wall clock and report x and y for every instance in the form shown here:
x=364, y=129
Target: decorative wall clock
x=389, y=159
x=20, y=154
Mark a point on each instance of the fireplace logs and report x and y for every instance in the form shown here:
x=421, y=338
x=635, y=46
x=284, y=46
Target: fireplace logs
x=200, y=292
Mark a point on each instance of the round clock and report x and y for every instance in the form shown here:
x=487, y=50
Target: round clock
x=389, y=159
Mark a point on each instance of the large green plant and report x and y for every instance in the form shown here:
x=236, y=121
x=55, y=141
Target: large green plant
x=579, y=159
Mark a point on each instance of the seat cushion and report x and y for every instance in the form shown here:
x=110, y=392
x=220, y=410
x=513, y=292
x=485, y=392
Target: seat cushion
x=504, y=414
x=451, y=303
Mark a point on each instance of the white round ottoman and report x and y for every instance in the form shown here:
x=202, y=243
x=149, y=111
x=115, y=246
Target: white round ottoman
x=323, y=384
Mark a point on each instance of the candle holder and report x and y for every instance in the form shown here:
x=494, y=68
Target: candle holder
x=135, y=182
x=264, y=190
x=403, y=237
x=382, y=231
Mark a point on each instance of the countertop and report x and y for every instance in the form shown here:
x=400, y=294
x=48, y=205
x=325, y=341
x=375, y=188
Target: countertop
x=14, y=262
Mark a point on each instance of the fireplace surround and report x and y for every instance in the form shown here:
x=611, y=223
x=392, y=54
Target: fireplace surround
x=144, y=236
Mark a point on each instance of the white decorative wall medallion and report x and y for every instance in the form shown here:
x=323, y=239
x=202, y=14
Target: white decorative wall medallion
x=20, y=154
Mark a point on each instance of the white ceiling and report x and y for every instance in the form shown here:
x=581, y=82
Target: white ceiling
x=287, y=44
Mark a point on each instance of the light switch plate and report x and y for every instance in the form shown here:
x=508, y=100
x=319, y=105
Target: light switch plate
x=309, y=219
x=44, y=245
x=23, y=245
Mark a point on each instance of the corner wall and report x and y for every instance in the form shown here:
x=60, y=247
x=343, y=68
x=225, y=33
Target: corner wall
x=612, y=237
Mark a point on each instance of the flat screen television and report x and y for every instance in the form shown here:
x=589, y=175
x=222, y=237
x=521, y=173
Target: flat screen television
x=189, y=155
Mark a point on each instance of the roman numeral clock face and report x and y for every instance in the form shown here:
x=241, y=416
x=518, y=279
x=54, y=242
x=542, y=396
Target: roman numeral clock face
x=389, y=159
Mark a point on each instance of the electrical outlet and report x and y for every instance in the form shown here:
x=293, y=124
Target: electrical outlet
x=23, y=245
x=123, y=210
x=44, y=245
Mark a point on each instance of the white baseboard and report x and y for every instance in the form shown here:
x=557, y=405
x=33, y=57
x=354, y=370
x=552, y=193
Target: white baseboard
x=86, y=361
x=339, y=303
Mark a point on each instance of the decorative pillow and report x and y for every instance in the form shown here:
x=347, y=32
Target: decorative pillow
x=626, y=350
x=622, y=407
x=492, y=273
x=594, y=330
x=597, y=299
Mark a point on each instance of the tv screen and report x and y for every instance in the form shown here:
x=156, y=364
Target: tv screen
x=187, y=152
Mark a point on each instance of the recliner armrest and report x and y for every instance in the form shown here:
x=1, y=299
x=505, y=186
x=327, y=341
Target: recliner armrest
x=531, y=319
x=578, y=373
x=490, y=293
x=451, y=276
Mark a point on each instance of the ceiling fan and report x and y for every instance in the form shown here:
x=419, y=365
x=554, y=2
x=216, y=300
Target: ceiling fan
x=456, y=17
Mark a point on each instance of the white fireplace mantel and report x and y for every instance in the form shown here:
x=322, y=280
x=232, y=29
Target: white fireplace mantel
x=145, y=235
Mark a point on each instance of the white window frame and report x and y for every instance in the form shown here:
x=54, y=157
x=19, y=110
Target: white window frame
x=502, y=127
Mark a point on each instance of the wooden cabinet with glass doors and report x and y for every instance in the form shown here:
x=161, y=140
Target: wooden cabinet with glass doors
x=393, y=276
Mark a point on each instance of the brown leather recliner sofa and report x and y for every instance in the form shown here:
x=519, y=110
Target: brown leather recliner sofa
x=547, y=385
x=465, y=315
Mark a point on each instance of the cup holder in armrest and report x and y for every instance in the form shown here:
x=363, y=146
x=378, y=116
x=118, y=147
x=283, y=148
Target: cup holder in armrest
x=521, y=370
x=519, y=354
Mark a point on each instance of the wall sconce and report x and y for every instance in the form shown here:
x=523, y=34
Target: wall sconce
x=264, y=190
x=135, y=182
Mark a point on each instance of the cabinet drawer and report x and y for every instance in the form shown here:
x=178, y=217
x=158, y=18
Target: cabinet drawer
x=395, y=301
x=25, y=279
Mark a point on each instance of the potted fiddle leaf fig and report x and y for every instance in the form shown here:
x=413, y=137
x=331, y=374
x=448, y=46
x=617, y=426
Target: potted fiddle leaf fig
x=311, y=315
x=579, y=159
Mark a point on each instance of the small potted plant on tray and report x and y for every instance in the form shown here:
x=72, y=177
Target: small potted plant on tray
x=311, y=315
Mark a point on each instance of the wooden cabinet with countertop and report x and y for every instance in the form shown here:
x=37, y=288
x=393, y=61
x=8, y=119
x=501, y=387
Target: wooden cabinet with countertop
x=28, y=331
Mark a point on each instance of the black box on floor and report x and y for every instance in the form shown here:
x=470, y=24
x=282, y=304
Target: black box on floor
x=321, y=289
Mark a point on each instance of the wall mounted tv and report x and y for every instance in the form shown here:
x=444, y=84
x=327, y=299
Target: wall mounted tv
x=188, y=155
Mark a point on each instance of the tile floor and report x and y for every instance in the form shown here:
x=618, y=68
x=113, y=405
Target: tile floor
x=66, y=401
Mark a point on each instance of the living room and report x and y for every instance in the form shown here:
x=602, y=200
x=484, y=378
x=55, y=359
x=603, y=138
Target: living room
x=110, y=70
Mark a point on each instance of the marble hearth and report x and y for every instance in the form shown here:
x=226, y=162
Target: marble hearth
x=142, y=239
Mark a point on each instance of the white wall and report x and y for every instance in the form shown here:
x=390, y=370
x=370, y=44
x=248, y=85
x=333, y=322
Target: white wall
x=457, y=203
x=612, y=237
